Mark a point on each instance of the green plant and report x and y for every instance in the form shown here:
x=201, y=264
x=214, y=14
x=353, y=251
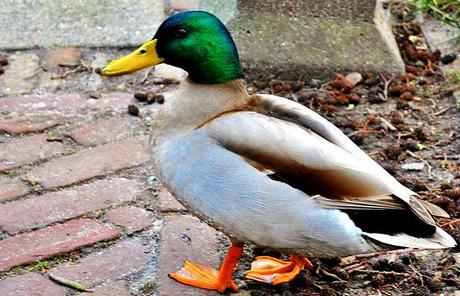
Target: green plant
x=447, y=11
x=38, y=266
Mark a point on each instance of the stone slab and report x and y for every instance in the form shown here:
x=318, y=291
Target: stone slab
x=66, y=204
x=111, y=264
x=356, y=10
x=291, y=47
x=30, y=284
x=54, y=240
x=46, y=23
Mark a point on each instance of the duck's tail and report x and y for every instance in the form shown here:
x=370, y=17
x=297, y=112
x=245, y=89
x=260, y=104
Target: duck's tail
x=439, y=240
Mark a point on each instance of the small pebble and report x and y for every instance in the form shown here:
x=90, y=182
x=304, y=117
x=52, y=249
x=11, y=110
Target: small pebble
x=150, y=100
x=406, y=96
x=448, y=58
x=414, y=166
x=3, y=61
x=94, y=95
x=133, y=110
x=160, y=99
x=353, y=78
x=141, y=96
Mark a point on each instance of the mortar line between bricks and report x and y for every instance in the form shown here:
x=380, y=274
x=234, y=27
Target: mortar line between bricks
x=101, y=218
x=24, y=169
x=34, y=193
x=63, y=221
x=86, y=250
x=113, y=174
x=107, y=243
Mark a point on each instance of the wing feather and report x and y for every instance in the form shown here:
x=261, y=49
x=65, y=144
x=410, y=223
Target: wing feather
x=301, y=146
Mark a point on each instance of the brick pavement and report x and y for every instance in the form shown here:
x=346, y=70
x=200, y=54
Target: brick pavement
x=77, y=196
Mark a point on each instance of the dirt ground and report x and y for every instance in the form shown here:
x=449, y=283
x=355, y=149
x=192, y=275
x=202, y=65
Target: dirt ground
x=409, y=124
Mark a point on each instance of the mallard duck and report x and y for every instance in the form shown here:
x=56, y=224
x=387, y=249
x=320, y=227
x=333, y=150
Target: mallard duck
x=265, y=170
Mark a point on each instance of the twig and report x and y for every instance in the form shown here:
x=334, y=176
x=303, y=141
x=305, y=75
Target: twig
x=387, y=123
x=422, y=160
x=66, y=73
x=455, y=221
x=387, y=84
x=393, y=273
x=408, y=278
x=418, y=273
x=69, y=283
x=446, y=157
x=442, y=111
x=80, y=68
x=360, y=265
x=384, y=253
x=329, y=274
x=319, y=90
x=146, y=75
x=365, y=132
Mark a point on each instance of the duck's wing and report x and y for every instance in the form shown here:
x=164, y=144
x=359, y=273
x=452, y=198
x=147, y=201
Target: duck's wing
x=308, y=152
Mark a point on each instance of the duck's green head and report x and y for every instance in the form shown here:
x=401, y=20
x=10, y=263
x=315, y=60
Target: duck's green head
x=195, y=41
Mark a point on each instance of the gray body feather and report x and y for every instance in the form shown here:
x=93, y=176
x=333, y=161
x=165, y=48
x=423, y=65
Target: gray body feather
x=222, y=189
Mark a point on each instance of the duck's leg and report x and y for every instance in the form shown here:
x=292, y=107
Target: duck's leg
x=204, y=277
x=275, y=271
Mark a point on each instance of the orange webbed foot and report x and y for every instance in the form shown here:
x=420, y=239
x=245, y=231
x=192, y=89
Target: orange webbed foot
x=204, y=277
x=275, y=271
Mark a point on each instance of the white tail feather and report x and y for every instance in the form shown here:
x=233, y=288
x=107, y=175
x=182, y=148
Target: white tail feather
x=439, y=240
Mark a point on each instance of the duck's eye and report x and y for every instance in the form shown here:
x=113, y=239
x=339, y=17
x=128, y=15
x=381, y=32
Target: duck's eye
x=142, y=51
x=181, y=33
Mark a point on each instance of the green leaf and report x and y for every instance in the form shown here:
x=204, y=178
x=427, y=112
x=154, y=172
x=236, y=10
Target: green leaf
x=350, y=107
x=421, y=146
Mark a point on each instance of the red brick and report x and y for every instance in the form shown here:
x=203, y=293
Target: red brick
x=131, y=218
x=66, y=204
x=89, y=163
x=114, y=263
x=28, y=124
x=167, y=202
x=30, y=284
x=109, y=289
x=44, y=102
x=103, y=130
x=115, y=100
x=11, y=188
x=69, y=102
x=57, y=239
x=63, y=56
x=185, y=238
x=21, y=151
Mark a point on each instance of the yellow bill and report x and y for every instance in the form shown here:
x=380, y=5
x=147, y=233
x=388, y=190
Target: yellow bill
x=143, y=57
